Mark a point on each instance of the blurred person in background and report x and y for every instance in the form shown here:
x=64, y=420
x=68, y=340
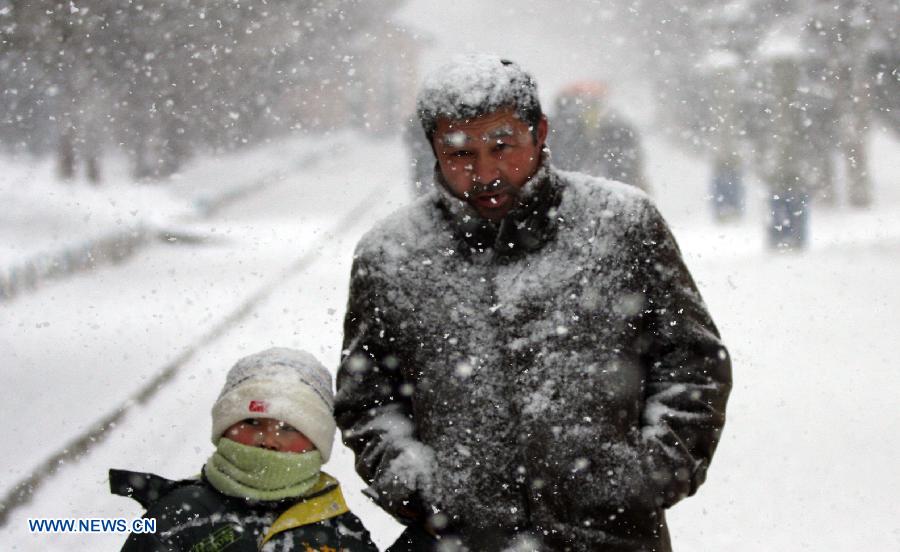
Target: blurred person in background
x=420, y=156
x=788, y=158
x=591, y=137
x=727, y=195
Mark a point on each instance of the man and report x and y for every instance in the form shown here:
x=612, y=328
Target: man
x=527, y=361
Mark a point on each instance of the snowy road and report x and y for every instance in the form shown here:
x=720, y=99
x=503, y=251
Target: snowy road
x=116, y=328
x=807, y=457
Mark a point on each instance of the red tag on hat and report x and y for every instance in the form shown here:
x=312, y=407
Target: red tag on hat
x=257, y=406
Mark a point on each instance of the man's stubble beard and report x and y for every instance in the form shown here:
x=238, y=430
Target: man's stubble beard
x=496, y=187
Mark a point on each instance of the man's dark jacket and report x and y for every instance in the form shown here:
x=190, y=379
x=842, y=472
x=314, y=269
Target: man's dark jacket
x=555, y=375
x=191, y=515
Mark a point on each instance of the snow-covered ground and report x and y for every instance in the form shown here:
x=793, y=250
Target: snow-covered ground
x=806, y=462
x=51, y=230
x=76, y=349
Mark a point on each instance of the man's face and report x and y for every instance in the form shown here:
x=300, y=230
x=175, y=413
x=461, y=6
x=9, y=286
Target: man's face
x=269, y=433
x=486, y=161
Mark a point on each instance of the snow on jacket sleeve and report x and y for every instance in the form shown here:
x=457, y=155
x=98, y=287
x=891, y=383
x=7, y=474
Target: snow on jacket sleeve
x=372, y=405
x=688, y=375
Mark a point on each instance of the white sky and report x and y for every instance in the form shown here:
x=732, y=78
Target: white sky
x=557, y=43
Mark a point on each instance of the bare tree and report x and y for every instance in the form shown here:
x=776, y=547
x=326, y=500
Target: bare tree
x=165, y=79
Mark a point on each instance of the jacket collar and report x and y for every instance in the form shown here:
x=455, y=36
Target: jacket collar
x=525, y=228
x=325, y=502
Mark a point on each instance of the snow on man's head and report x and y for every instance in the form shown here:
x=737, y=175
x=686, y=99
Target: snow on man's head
x=473, y=85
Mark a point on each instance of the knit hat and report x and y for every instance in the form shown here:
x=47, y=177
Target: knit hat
x=283, y=384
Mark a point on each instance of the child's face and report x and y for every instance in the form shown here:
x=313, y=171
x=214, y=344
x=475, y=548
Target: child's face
x=269, y=433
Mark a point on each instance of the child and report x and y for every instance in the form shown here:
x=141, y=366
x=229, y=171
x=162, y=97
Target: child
x=262, y=489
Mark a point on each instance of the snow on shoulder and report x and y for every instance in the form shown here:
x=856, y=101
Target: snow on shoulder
x=608, y=198
x=393, y=236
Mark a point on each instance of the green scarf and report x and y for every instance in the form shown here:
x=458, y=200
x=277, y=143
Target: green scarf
x=261, y=474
